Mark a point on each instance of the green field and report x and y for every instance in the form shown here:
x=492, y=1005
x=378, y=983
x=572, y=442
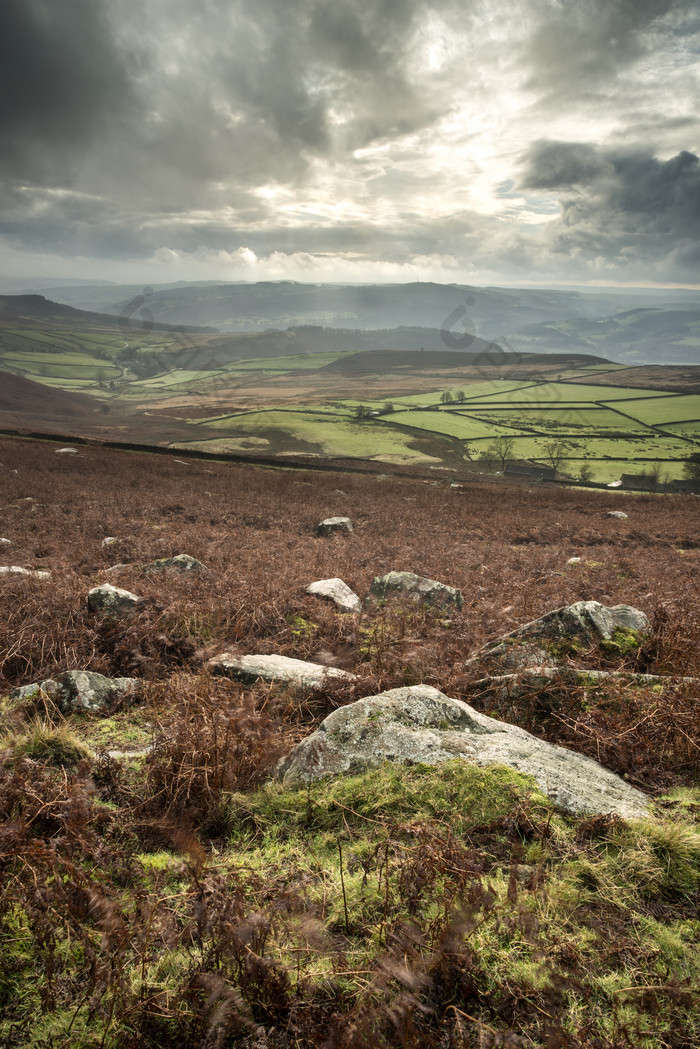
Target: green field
x=324, y=434
x=461, y=426
x=609, y=428
x=690, y=430
x=575, y=419
x=666, y=409
x=568, y=392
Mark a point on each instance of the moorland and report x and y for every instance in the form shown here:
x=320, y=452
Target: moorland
x=160, y=888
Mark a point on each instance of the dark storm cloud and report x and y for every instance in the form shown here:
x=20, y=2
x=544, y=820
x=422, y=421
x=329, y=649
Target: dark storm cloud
x=162, y=108
x=623, y=205
x=61, y=76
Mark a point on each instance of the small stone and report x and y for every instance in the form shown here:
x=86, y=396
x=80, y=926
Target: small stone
x=574, y=561
x=297, y=672
x=5, y=542
x=331, y=525
x=618, y=514
x=109, y=540
x=415, y=588
x=109, y=600
x=66, y=451
x=338, y=592
x=180, y=563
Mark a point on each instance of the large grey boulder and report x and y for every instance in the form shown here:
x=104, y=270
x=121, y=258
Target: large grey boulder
x=415, y=588
x=79, y=690
x=108, y=600
x=182, y=563
x=332, y=525
x=32, y=573
x=338, y=592
x=295, y=672
x=420, y=725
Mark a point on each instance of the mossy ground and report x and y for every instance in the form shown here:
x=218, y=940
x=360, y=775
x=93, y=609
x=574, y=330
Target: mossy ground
x=363, y=890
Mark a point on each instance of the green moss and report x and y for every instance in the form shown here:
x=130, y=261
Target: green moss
x=622, y=643
x=464, y=794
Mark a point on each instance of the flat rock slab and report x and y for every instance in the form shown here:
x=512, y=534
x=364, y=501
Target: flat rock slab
x=338, y=592
x=419, y=724
x=529, y=682
x=333, y=525
x=33, y=573
x=296, y=672
x=79, y=690
x=182, y=563
x=617, y=514
x=108, y=600
x=415, y=588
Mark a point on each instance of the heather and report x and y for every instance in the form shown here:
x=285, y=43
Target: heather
x=165, y=891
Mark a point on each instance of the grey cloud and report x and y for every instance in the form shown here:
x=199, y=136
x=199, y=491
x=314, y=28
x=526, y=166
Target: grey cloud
x=580, y=45
x=61, y=75
x=625, y=206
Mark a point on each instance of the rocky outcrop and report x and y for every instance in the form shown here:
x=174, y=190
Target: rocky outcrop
x=411, y=587
x=334, y=525
x=33, y=573
x=295, y=672
x=419, y=724
x=584, y=622
x=182, y=563
x=338, y=592
x=108, y=600
x=79, y=690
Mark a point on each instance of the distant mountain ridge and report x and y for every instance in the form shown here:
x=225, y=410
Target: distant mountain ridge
x=630, y=326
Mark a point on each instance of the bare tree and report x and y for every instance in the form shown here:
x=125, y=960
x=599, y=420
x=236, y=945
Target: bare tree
x=502, y=451
x=555, y=452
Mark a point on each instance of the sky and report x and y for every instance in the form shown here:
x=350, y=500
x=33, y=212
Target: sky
x=470, y=141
